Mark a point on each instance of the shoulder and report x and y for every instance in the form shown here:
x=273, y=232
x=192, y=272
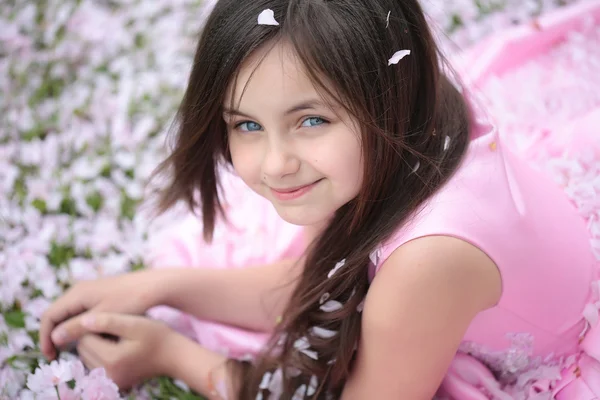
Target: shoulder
x=432, y=280
x=438, y=266
x=416, y=313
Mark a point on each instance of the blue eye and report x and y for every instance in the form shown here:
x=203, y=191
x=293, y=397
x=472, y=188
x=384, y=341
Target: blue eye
x=250, y=126
x=313, y=121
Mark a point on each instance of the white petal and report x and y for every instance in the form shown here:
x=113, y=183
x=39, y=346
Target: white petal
x=447, y=141
x=360, y=307
x=399, y=55
x=301, y=344
x=312, y=385
x=265, y=380
x=276, y=384
x=416, y=167
x=375, y=255
x=267, y=17
x=282, y=339
x=259, y=396
x=331, y=306
x=310, y=353
x=299, y=393
x=324, y=298
x=322, y=332
x=335, y=269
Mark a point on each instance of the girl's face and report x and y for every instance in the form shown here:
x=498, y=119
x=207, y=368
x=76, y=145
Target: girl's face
x=287, y=144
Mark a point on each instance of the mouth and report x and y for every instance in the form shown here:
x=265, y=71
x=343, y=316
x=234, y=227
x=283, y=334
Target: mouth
x=293, y=192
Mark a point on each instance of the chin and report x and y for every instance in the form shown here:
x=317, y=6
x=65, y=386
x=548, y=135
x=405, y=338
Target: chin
x=302, y=217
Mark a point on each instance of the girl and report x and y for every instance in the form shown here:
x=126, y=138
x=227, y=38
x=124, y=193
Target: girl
x=429, y=258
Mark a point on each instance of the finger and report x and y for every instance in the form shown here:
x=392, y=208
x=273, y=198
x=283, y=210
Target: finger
x=101, y=349
x=123, y=326
x=72, y=329
x=100, y=352
x=68, y=305
x=69, y=331
x=89, y=359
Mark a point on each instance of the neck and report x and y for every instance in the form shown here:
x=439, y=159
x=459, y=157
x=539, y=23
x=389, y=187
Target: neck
x=311, y=232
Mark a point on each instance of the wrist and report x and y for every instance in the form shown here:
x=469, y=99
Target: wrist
x=173, y=346
x=202, y=370
x=161, y=283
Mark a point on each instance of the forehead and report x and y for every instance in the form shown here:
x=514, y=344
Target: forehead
x=273, y=71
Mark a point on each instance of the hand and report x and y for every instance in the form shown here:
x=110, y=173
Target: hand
x=140, y=352
x=131, y=293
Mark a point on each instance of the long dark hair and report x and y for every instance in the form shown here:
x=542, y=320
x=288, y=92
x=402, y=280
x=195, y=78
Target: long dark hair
x=410, y=116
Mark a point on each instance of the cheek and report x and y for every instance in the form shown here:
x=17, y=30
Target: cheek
x=353, y=176
x=242, y=160
x=348, y=164
x=343, y=169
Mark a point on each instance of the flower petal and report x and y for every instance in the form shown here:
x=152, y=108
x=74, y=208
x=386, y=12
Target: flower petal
x=322, y=332
x=300, y=393
x=312, y=385
x=331, y=306
x=361, y=306
x=447, y=141
x=416, y=167
x=265, y=380
x=399, y=55
x=302, y=344
x=267, y=17
x=335, y=269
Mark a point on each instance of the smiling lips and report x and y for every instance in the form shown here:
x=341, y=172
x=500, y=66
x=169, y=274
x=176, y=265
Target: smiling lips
x=293, y=193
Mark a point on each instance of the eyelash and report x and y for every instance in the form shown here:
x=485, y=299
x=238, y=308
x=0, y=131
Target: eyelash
x=325, y=121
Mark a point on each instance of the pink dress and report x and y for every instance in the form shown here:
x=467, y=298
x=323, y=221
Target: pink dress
x=542, y=340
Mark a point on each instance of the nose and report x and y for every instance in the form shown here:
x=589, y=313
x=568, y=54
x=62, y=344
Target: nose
x=280, y=158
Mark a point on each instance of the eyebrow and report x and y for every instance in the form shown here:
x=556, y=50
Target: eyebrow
x=306, y=105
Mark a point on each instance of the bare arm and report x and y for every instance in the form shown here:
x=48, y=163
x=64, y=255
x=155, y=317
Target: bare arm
x=416, y=313
x=436, y=296
x=251, y=297
x=198, y=367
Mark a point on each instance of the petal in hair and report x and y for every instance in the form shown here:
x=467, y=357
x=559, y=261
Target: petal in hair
x=302, y=343
x=361, y=306
x=447, y=141
x=416, y=167
x=336, y=268
x=276, y=383
x=324, y=298
x=282, y=339
x=331, y=306
x=267, y=17
x=399, y=55
x=303, y=346
x=310, y=354
x=387, y=20
x=265, y=380
x=300, y=393
x=322, y=332
x=312, y=385
x=375, y=256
